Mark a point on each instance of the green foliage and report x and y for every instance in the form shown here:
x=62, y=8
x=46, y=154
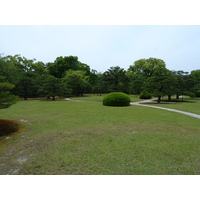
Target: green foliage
x=160, y=83
x=115, y=79
x=149, y=75
x=26, y=85
x=4, y=86
x=116, y=99
x=6, y=99
x=145, y=67
x=77, y=82
x=145, y=95
x=51, y=87
x=63, y=64
x=21, y=63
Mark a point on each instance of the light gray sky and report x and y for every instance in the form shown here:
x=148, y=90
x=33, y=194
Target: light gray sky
x=102, y=47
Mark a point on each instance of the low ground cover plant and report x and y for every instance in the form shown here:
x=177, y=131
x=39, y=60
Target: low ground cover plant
x=116, y=99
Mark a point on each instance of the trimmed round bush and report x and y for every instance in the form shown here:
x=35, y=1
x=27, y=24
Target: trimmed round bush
x=116, y=99
x=145, y=95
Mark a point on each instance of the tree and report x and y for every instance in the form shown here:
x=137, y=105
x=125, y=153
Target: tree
x=21, y=63
x=180, y=86
x=77, y=81
x=9, y=71
x=100, y=86
x=39, y=68
x=6, y=99
x=136, y=82
x=140, y=71
x=51, y=87
x=146, y=66
x=63, y=64
x=193, y=82
x=26, y=86
x=116, y=80
x=160, y=83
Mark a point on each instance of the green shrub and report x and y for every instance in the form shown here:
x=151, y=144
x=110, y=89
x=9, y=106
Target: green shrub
x=145, y=95
x=116, y=99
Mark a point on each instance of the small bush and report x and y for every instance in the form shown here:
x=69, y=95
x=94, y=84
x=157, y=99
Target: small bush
x=116, y=99
x=7, y=127
x=145, y=95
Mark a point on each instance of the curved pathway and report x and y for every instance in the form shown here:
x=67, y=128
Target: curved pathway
x=141, y=103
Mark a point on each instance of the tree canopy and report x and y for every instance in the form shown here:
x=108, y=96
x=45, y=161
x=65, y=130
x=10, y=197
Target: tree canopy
x=6, y=99
x=68, y=76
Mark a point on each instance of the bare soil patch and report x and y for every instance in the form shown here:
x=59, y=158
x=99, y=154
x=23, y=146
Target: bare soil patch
x=8, y=127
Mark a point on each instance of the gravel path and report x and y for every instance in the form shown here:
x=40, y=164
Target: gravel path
x=141, y=103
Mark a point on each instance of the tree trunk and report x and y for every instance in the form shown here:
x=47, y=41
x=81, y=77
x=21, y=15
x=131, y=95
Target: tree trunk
x=169, y=98
x=177, y=96
x=159, y=99
x=53, y=98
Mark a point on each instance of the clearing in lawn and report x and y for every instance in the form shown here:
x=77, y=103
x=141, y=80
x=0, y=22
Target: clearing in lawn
x=66, y=137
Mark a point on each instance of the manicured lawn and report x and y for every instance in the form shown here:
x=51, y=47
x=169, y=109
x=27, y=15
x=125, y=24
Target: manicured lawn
x=98, y=98
x=65, y=137
x=192, y=106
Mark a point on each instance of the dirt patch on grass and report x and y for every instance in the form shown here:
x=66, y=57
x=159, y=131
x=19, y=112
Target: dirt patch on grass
x=8, y=127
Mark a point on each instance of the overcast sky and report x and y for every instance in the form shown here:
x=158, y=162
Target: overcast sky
x=102, y=47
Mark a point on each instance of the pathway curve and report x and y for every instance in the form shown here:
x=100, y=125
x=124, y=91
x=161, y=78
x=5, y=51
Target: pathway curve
x=142, y=103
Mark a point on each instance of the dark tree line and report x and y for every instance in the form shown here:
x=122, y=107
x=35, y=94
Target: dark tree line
x=67, y=76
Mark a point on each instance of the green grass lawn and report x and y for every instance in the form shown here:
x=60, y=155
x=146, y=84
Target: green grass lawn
x=65, y=137
x=193, y=105
x=98, y=98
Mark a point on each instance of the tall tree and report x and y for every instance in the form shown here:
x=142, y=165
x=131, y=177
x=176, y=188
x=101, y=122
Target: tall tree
x=193, y=82
x=140, y=71
x=116, y=79
x=9, y=71
x=160, y=83
x=180, y=82
x=21, y=63
x=100, y=86
x=77, y=81
x=6, y=99
x=63, y=64
x=26, y=86
x=51, y=87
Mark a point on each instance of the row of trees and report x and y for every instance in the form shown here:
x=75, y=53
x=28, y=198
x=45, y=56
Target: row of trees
x=68, y=76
